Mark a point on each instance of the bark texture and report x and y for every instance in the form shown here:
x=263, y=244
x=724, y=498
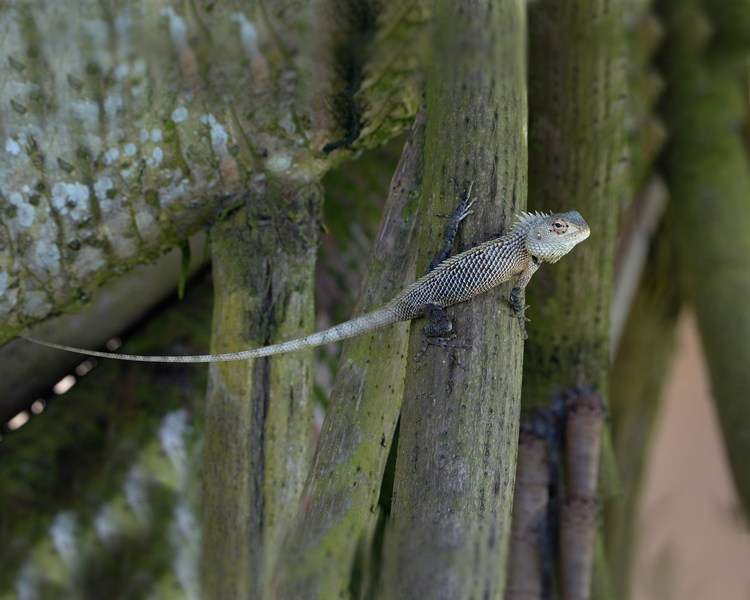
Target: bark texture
x=453, y=489
x=577, y=160
x=131, y=126
x=329, y=550
x=258, y=419
x=578, y=76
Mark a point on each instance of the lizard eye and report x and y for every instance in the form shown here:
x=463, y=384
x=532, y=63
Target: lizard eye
x=559, y=226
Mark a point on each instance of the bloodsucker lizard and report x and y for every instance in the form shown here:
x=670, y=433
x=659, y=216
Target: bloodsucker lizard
x=535, y=238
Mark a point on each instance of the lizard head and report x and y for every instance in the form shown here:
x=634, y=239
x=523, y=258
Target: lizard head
x=550, y=237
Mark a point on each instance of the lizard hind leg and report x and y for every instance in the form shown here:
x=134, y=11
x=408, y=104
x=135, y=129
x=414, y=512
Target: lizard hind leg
x=438, y=332
x=439, y=323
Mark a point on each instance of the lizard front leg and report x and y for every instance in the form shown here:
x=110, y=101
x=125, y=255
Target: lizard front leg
x=462, y=211
x=436, y=332
x=515, y=295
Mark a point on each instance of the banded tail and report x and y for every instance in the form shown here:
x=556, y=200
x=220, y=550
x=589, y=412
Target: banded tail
x=373, y=320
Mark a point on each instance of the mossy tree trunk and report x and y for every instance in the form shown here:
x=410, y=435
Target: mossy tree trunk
x=578, y=77
x=128, y=127
x=637, y=378
x=258, y=414
x=450, y=517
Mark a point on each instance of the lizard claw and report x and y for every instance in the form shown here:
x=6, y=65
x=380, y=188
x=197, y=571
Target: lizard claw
x=522, y=323
x=519, y=309
x=463, y=209
x=427, y=341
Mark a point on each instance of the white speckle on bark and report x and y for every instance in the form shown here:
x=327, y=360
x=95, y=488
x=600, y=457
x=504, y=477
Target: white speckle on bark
x=46, y=255
x=179, y=114
x=130, y=149
x=139, y=67
x=18, y=89
x=105, y=525
x=185, y=539
x=248, y=34
x=111, y=155
x=127, y=173
x=87, y=112
x=287, y=123
x=143, y=135
x=121, y=71
x=177, y=27
x=102, y=186
x=158, y=155
x=12, y=147
x=156, y=135
x=3, y=283
x=145, y=223
x=112, y=104
x=219, y=135
x=72, y=199
x=36, y=304
x=172, y=192
x=26, y=585
x=97, y=30
x=63, y=534
x=278, y=162
x=25, y=211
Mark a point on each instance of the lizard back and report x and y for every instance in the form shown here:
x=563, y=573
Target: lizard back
x=464, y=276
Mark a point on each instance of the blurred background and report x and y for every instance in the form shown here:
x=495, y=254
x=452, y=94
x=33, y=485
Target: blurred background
x=691, y=541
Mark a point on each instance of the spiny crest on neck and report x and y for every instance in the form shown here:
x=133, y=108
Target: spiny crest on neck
x=526, y=219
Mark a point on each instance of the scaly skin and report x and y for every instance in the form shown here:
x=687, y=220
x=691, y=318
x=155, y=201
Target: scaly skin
x=535, y=238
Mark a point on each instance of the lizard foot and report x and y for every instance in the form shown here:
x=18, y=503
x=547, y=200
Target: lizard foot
x=519, y=309
x=439, y=323
x=435, y=332
x=429, y=340
x=464, y=205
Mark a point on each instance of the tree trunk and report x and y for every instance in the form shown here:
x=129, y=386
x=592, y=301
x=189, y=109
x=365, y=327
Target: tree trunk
x=577, y=160
x=131, y=127
x=258, y=413
x=450, y=519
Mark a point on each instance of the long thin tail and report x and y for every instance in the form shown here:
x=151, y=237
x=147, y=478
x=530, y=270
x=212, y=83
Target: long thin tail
x=373, y=320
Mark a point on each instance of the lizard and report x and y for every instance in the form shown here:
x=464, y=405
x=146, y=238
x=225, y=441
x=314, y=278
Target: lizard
x=534, y=239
